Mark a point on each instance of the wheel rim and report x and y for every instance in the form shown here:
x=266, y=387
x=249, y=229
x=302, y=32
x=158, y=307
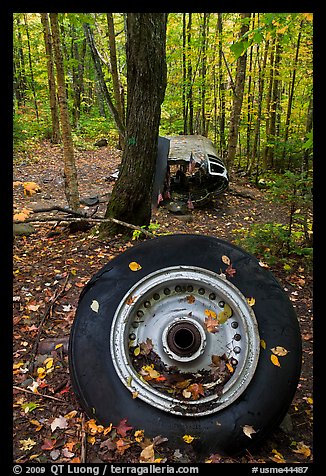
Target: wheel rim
x=171, y=309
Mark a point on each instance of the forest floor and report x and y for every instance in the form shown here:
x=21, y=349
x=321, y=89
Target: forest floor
x=52, y=266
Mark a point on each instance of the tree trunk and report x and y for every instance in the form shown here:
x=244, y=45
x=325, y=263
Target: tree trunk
x=78, y=55
x=131, y=198
x=274, y=106
x=268, y=104
x=99, y=72
x=31, y=68
x=21, y=73
x=115, y=75
x=184, y=76
x=204, y=36
x=70, y=172
x=55, y=136
x=238, y=97
x=190, y=101
x=261, y=77
x=291, y=94
x=222, y=87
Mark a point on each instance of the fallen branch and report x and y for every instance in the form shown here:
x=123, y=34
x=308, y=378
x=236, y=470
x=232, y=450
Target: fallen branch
x=90, y=220
x=40, y=327
x=38, y=394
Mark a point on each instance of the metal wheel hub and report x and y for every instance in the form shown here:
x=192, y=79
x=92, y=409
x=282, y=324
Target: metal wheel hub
x=172, y=308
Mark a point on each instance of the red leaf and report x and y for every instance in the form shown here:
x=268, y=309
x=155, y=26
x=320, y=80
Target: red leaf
x=230, y=271
x=122, y=428
x=48, y=444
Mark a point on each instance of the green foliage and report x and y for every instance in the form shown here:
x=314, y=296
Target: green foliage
x=271, y=243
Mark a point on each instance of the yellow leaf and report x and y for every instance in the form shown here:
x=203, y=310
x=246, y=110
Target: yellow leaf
x=137, y=351
x=41, y=372
x=278, y=458
x=275, y=360
x=71, y=414
x=91, y=427
x=48, y=362
x=15, y=184
x=210, y=313
x=107, y=429
x=27, y=445
x=30, y=188
x=229, y=366
x=263, y=343
x=226, y=260
x=251, y=301
x=308, y=16
x=91, y=440
x=280, y=351
x=134, y=266
x=147, y=455
x=224, y=315
x=139, y=435
x=58, y=346
x=188, y=438
x=38, y=425
x=302, y=449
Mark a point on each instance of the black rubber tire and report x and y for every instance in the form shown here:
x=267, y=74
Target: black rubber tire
x=262, y=405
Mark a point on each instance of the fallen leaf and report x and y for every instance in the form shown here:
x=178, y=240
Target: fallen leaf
x=278, y=458
x=30, y=188
x=134, y=266
x=275, y=360
x=251, y=301
x=188, y=438
x=122, y=445
x=210, y=313
x=211, y=324
x=71, y=414
x=59, y=422
x=147, y=455
x=263, y=265
x=123, y=428
x=95, y=306
x=302, y=449
x=248, y=430
x=196, y=390
x=224, y=315
x=91, y=427
x=280, y=351
x=38, y=425
x=226, y=260
x=139, y=435
x=27, y=445
x=66, y=453
x=230, y=271
x=146, y=347
x=29, y=407
x=55, y=454
x=263, y=343
x=191, y=299
x=48, y=444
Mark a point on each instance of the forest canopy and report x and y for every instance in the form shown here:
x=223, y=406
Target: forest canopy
x=202, y=53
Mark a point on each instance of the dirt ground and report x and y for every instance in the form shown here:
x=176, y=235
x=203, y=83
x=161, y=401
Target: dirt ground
x=50, y=269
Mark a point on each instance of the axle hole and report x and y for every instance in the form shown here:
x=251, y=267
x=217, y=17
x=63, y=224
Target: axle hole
x=184, y=338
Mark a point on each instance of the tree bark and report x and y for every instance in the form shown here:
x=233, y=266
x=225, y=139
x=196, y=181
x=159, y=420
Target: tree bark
x=55, y=136
x=31, y=68
x=99, y=72
x=70, y=172
x=238, y=97
x=131, y=199
x=115, y=75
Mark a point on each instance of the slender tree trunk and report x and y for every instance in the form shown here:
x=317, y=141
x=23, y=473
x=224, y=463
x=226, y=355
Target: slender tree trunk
x=268, y=105
x=274, y=106
x=131, y=199
x=190, y=102
x=291, y=94
x=238, y=97
x=78, y=55
x=222, y=87
x=249, y=100
x=31, y=68
x=204, y=36
x=115, y=75
x=309, y=124
x=22, y=82
x=261, y=77
x=184, y=76
x=70, y=172
x=99, y=72
x=55, y=136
